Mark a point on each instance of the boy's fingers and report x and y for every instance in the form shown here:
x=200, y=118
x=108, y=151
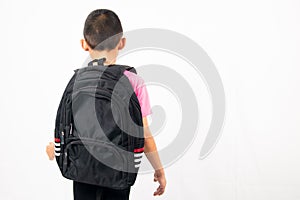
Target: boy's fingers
x=155, y=178
x=50, y=150
x=159, y=191
x=162, y=184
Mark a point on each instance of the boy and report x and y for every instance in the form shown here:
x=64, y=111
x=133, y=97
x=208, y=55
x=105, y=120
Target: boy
x=100, y=25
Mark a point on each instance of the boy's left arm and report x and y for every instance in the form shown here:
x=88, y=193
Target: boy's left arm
x=153, y=157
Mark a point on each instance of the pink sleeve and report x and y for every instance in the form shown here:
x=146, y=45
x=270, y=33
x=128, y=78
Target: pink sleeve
x=141, y=92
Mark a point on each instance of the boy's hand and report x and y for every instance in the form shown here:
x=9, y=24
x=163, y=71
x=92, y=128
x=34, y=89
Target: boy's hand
x=50, y=150
x=159, y=176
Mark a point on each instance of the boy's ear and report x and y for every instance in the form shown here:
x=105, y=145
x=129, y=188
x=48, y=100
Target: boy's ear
x=84, y=45
x=122, y=43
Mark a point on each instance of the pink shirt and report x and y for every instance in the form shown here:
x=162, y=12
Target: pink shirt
x=141, y=92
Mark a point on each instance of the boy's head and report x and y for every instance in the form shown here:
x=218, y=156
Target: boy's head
x=103, y=32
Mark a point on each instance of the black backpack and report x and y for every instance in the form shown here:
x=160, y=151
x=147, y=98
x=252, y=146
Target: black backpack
x=99, y=136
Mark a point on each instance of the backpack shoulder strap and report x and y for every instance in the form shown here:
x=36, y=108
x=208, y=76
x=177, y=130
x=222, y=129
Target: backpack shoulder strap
x=131, y=69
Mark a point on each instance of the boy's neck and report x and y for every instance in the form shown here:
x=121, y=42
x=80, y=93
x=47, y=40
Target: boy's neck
x=109, y=55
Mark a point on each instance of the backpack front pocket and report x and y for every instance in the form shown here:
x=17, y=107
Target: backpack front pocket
x=95, y=162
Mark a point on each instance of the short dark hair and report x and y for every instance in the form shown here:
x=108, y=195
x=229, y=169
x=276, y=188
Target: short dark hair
x=102, y=29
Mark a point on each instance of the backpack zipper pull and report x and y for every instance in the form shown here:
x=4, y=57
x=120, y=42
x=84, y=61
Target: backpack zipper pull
x=62, y=141
x=71, y=129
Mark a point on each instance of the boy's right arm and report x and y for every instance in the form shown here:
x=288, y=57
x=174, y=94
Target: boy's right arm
x=50, y=150
x=153, y=157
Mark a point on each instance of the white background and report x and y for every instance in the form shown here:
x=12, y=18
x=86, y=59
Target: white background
x=255, y=46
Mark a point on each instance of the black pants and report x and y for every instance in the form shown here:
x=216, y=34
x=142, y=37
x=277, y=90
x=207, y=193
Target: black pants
x=84, y=191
